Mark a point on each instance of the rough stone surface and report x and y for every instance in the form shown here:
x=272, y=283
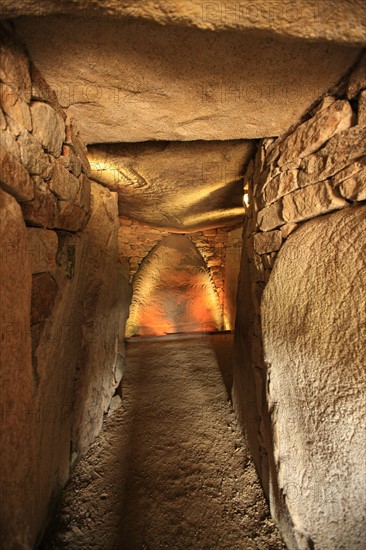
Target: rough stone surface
x=314, y=332
x=270, y=217
x=182, y=186
x=314, y=133
x=14, y=106
x=17, y=429
x=310, y=202
x=341, y=22
x=14, y=178
x=42, y=210
x=63, y=184
x=104, y=310
x=14, y=64
x=287, y=229
x=362, y=109
x=166, y=92
x=70, y=216
x=48, y=127
x=33, y=157
x=42, y=249
x=357, y=79
x=44, y=291
x=269, y=241
x=354, y=188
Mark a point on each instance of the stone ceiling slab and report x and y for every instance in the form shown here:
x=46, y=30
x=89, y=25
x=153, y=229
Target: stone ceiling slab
x=133, y=80
x=341, y=21
x=180, y=186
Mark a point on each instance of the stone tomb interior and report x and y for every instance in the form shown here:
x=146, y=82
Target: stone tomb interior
x=183, y=221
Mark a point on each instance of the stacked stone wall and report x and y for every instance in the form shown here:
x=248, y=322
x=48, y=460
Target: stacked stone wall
x=62, y=325
x=314, y=170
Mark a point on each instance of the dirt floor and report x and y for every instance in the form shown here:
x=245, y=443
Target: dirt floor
x=170, y=468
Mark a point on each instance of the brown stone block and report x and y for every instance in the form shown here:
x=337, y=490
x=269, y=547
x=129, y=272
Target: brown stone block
x=14, y=178
x=62, y=183
x=14, y=106
x=42, y=247
x=354, y=188
x=42, y=210
x=311, y=201
x=362, y=109
x=270, y=217
x=44, y=291
x=312, y=134
x=267, y=242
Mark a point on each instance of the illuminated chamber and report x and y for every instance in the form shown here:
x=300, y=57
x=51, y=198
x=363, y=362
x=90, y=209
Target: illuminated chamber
x=173, y=292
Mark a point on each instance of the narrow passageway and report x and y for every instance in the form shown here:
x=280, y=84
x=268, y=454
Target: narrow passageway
x=170, y=468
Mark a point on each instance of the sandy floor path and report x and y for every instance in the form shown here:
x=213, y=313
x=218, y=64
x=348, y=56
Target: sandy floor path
x=170, y=468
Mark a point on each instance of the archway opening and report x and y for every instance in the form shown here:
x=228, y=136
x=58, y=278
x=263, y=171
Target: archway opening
x=173, y=292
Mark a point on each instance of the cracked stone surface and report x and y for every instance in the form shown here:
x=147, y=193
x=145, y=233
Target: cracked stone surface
x=136, y=80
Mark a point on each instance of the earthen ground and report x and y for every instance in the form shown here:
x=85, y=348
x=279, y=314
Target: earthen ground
x=170, y=468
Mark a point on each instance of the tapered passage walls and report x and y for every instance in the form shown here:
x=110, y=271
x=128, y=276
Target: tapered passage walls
x=64, y=299
x=173, y=292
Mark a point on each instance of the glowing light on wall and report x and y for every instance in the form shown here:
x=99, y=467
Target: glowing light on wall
x=173, y=292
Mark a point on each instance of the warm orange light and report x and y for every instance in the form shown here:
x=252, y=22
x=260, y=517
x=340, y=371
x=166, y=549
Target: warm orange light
x=173, y=292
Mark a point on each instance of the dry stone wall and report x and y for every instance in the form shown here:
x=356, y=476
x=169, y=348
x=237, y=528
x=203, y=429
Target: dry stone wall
x=312, y=171
x=220, y=248
x=61, y=326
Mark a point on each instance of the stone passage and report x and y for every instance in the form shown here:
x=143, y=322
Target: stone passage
x=170, y=469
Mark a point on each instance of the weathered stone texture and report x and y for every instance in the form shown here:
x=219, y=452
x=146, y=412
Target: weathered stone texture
x=310, y=202
x=362, y=109
x=104, y=310
x=176, y=186
x=318, y=413
x=44, y=291
x=42, y=210
x=270, y=217
x=308, y=273
x=14, y=178
x=14, y=106
x=33, y=156
x=17, y=431
x=314, y=133
x=168, y=94
x=269, y=241
x=42, y=249
x=354, y=188
x=14, y=65
x=357, y=80
x=48, y=127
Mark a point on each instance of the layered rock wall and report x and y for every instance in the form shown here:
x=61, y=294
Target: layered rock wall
x=62, y=325
x=298, y=378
